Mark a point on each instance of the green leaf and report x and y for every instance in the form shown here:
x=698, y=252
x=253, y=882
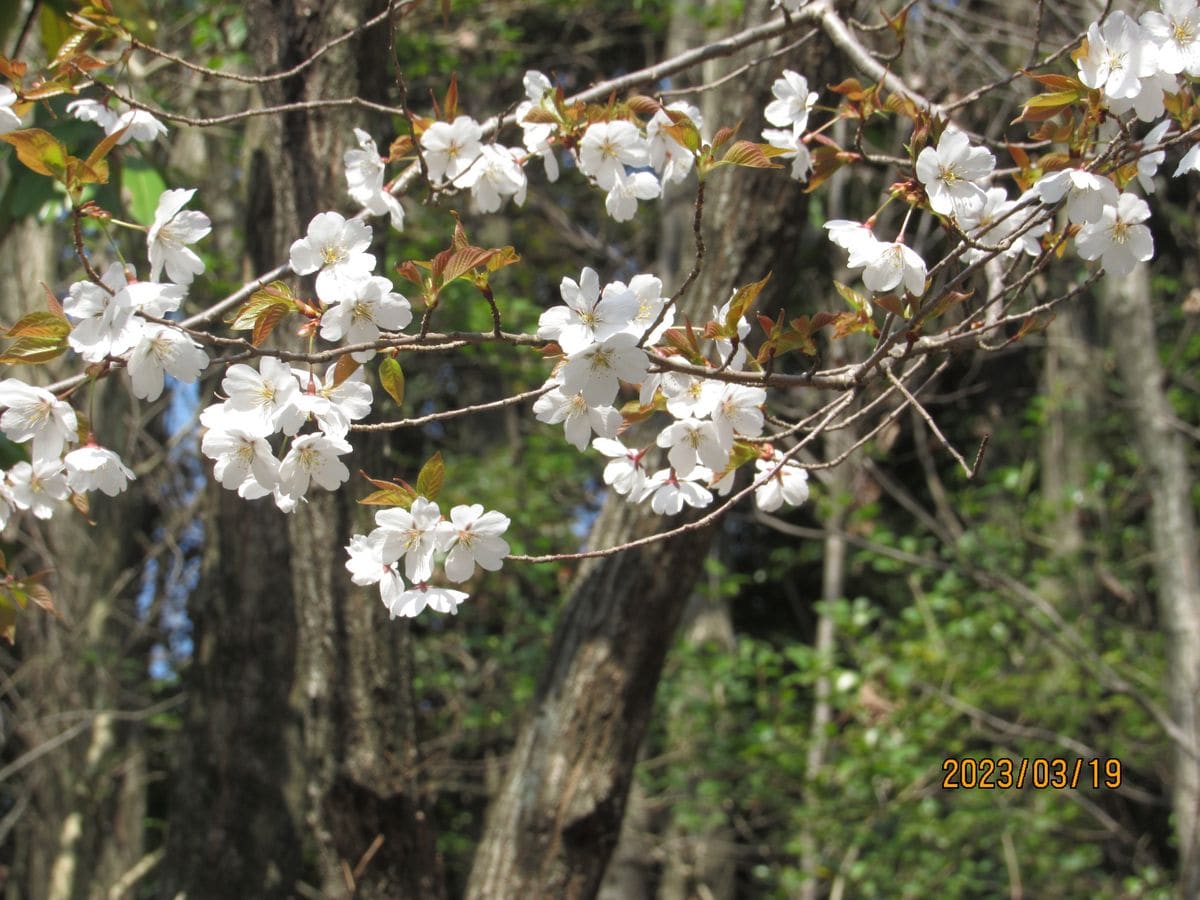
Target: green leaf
x=429, y=481
x=391, y=376
x=143, y=185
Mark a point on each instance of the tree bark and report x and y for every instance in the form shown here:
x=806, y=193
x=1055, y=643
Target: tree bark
x=295, y=668
x=552, y=828
x=1130, y=313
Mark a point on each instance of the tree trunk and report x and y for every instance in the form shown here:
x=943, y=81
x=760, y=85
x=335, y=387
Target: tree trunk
x=93, y=660
x=551, y=830
x=295, y=668
x=1130, y=314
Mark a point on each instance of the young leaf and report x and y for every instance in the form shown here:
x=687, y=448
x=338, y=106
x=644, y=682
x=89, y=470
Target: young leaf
x=40, y=325
x=505, y=256
x=33, y=350
x=391, y=376
x=39, y=150
x=345, y=367
x=450, y=264
x=388, y=493
x=8, y=620
x=642, y=105
x=96, y=157
x=267, y=320
x=751, y=156
x=743, y=299
x=429, y=479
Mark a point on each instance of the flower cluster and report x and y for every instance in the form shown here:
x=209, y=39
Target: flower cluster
x=277, y=430
x=113, y=322
x=600, y=333
x=789, y=113
x=414, y=536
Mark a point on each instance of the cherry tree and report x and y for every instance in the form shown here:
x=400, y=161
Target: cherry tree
x=681, y=401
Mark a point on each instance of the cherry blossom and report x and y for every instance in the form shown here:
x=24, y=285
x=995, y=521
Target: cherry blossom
x=951, y=171
x=105, y=325
x=669, y=492
x=93, y=468
x=34, y=414
x=647, y=289
x=895, y=265
x=607, y=147
x=88, y=110
x=1087, y=193
x=688, y=395
x=624, y=472
x=338, y=248
x=626, y=191
x=537, y=136
x=240, y=450
x=421, y=595
x=598, y=370
x=364, y=180
x=496, y=175
x=313, y=457
x=792, y=103
x=854, y=237
x=364, y=308
x=174, y=228
x=738, y=412
x=103, y=315
x=450, y=148
x=334, y=406
x=691, y=442
x=9, y=120
x=1117, y=57
x=670, y=159
x=269, y=395
x=732, y=359
x=367, y=564
x=473, y=537
x=1190, y=162
x=1176, y=34
x=997, y=220
x=787, y=484
x=7, y=504
x=579, y=419
x=138, y=125
x=414, y=534
x=160, y=351
x=38, y=486
x=587, y=316
x=797, y=150
x=1147, y=164
x=1117, y=238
